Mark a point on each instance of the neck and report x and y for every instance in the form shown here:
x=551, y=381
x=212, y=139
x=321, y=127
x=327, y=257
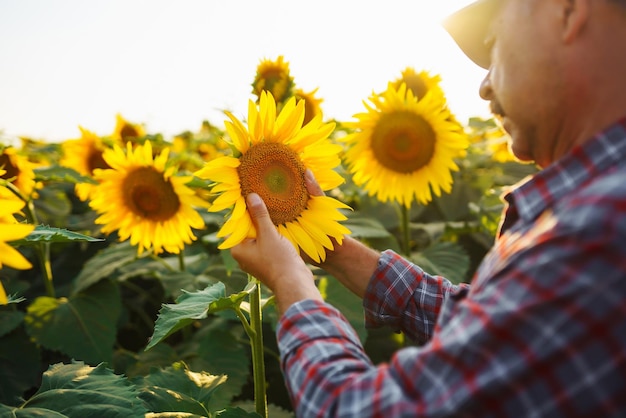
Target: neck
x=596, y=97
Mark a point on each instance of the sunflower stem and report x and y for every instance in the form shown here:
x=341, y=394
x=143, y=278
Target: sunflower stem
x=43, y=254
x=258, y=360
x=42, y=248
x=406, y=230
x=181, y=261
x=245, y=323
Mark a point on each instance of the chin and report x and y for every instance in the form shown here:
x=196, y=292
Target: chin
x=518, y=147
x=522, y=154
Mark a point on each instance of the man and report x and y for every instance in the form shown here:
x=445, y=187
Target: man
x=542, y=330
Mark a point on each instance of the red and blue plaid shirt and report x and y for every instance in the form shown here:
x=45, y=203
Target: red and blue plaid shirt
x=541, y=332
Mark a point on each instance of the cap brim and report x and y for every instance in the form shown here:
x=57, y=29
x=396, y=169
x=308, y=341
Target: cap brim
x=468, y=27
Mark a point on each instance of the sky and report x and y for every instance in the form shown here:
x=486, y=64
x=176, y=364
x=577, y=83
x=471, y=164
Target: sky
x=169, y=65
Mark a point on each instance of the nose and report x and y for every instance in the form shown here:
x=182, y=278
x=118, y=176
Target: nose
x=485, y=90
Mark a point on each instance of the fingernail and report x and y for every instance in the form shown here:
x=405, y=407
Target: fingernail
x=309, y=175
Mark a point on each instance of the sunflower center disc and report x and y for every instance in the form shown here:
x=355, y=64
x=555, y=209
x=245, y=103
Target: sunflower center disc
x=128, y=132
x=96, y=160
x=403, y=141
x=416, y=84
x=150, y=196
x=7, y=165
x=274, y=171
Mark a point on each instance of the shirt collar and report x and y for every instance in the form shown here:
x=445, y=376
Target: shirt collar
x=540, y=191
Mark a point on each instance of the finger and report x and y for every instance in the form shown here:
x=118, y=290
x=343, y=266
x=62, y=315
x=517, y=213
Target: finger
x=312, y=185
x=259, y=214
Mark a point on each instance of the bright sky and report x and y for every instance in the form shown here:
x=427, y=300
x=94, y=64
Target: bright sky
x=172, y=64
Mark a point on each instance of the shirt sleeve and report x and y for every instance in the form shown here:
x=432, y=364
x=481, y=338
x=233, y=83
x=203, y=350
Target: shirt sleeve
x=541, y=335
x=405, y=298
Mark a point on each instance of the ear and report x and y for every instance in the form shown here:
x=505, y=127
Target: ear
x=575, y=16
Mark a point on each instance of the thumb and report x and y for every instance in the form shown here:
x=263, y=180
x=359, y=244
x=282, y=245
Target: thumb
x=259, y=214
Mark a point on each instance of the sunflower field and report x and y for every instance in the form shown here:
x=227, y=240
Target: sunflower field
x=118, y=293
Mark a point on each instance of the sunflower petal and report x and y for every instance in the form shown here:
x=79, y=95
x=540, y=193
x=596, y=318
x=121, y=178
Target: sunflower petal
x=10, y=257
x=239, y=234
x=303, y=240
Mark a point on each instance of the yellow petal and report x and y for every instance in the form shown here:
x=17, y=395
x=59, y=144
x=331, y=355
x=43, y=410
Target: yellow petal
x=3, y=295
x=10, y=257
x=12, y=232
x=10, y=206
x=239, y=234
x=225, y=200
x=304, y=240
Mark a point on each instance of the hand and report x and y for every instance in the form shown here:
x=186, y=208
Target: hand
x=352, y=262
x=272, y=259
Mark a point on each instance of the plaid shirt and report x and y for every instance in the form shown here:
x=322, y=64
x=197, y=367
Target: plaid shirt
x=540, y=333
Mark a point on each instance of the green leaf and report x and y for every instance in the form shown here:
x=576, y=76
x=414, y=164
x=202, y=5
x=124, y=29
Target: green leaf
x=241, y=413
x=19, y=366
x=83, y=326
x=178, y=389
x=9, y=320
x=103, y=264
x=166, y=270
x=78, y=390
x=366, y=227
x=44, y=233
x=64, y=174
x=219, y=352
x=246, y=408
x=198, y=183
x=14, y=299
x=350, y=305
x=188, y=308
x=53, y=205
x=454, y=206
x=6, y=411
x=445, y=259
x=231, y=301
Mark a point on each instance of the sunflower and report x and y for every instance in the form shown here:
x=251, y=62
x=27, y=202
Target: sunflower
x=404, y=148
x=274, y=77
x=497, y=141
x=10, y=230
x=142, y=198
x=19, y=171
x=127, y=132
x=273, y=154
x=489, y=138
x=419, y=83
x=84, y=155
x=311, y=104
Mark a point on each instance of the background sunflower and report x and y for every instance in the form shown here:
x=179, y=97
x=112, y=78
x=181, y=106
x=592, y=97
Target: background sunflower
x=141, y=198
x=11, y=230
x=84, y=155
x=19, y=171
x=275, y=78
x=403, y=148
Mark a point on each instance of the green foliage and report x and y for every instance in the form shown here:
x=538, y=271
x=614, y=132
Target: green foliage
x=61, y=174
x=169, y=326
x=445, y=259
x=19, y=366
x=44, y=233
x=78, y=390
x=177, y=388
x=190, y=307
x=82, y=326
